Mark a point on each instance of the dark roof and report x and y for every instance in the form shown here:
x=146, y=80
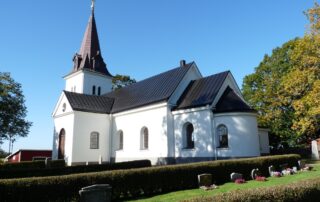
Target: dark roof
x=90, y=57
x=89, y=103
x=201, y=92
x=231, y=102
x=148, y=91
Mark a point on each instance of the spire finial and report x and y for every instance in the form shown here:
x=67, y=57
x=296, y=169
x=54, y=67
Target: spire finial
x=92, y=5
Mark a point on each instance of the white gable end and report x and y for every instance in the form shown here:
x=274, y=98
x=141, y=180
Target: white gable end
x=192, y=74
x=229, y=81
x=62, y=107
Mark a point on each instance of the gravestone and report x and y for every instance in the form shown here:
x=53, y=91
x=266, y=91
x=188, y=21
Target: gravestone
x=294, y=169
x=315, y=150
x=48, y=162
x=100, y=159
x=271, y=170
x=235, y=176
x=96, y=193
x=300, y=165
x=205, y=180
x=255, y=173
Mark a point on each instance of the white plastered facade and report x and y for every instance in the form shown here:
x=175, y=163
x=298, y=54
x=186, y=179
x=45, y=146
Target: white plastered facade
x=165, y=129
x=83, y=81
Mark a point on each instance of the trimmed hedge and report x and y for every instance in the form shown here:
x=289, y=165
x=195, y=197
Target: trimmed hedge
x=60, y=163
x=23, y=165
x=134, y=182
x=307, y=190
x=57, y=167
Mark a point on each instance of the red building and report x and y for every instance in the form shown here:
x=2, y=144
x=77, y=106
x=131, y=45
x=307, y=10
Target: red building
x=28, y=155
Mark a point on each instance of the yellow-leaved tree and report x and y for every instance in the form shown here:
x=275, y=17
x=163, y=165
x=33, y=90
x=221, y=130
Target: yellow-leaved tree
x=285, y=88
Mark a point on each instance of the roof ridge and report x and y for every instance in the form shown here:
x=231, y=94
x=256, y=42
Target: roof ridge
x=154, y=76
x=176, y=68
x=212, y=75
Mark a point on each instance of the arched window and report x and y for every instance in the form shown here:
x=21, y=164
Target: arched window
x=99, y=90
x=222, y=136
x=64, y=107
x=94, y=140
x=93, y=90
x=62, y=137
x=144, y=138
x=120, y=139
x=188, y=140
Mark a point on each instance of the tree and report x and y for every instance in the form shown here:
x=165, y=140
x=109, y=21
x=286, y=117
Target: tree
x=262, y=90
x=12, y=110
x=120, y=81
x=285, y=88
x=3, y=154
x=313, y=15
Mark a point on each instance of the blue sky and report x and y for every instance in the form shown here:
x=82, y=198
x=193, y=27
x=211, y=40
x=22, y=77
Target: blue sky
x=139, y=38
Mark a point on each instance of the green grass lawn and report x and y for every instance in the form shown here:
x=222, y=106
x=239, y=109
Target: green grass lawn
x=272, y=181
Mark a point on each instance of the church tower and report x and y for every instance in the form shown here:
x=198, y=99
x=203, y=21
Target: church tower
x=89, y=74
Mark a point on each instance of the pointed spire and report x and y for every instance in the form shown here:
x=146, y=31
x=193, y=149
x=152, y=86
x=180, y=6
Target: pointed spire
x=92, y=5
x=89, y=56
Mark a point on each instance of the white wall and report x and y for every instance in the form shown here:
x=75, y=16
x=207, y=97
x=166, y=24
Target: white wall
x=243, y=139
x=65, y=122
x=264, y=140
x=86, y=123
x=75, y=81
x=91, y=79
x=78, y=127
x=63, y=119
x=200, y=119
x=192, y=74
x=131, y=123
x=84, y=80
x=59, y=109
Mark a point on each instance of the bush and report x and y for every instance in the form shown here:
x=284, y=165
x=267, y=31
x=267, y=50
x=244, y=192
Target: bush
x=23, y=165
x=57, y=167
x=60, y=163
x=307, y=190
x=135, y=182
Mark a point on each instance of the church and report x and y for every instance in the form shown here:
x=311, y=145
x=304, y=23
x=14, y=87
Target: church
x=177, y=116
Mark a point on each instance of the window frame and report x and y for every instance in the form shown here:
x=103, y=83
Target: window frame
x=120, y=140
x=223, y=136
x=188, y=136
x=94, y=140
x=93, y=90
x=144, y=138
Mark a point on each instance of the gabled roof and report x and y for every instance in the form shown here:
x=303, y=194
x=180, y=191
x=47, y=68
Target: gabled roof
x=231, y=102
x=154, y=89
x=202, y=92
x=89, y=103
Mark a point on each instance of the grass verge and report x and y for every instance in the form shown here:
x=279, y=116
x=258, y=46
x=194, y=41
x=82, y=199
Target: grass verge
x=272, y=181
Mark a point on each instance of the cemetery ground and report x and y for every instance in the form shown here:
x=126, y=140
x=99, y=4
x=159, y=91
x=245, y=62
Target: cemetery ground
x=231, y=186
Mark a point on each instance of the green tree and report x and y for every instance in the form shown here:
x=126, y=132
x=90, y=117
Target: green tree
x=12, y=110
x=285, y=87
x=120, y=81
x=262, y=90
